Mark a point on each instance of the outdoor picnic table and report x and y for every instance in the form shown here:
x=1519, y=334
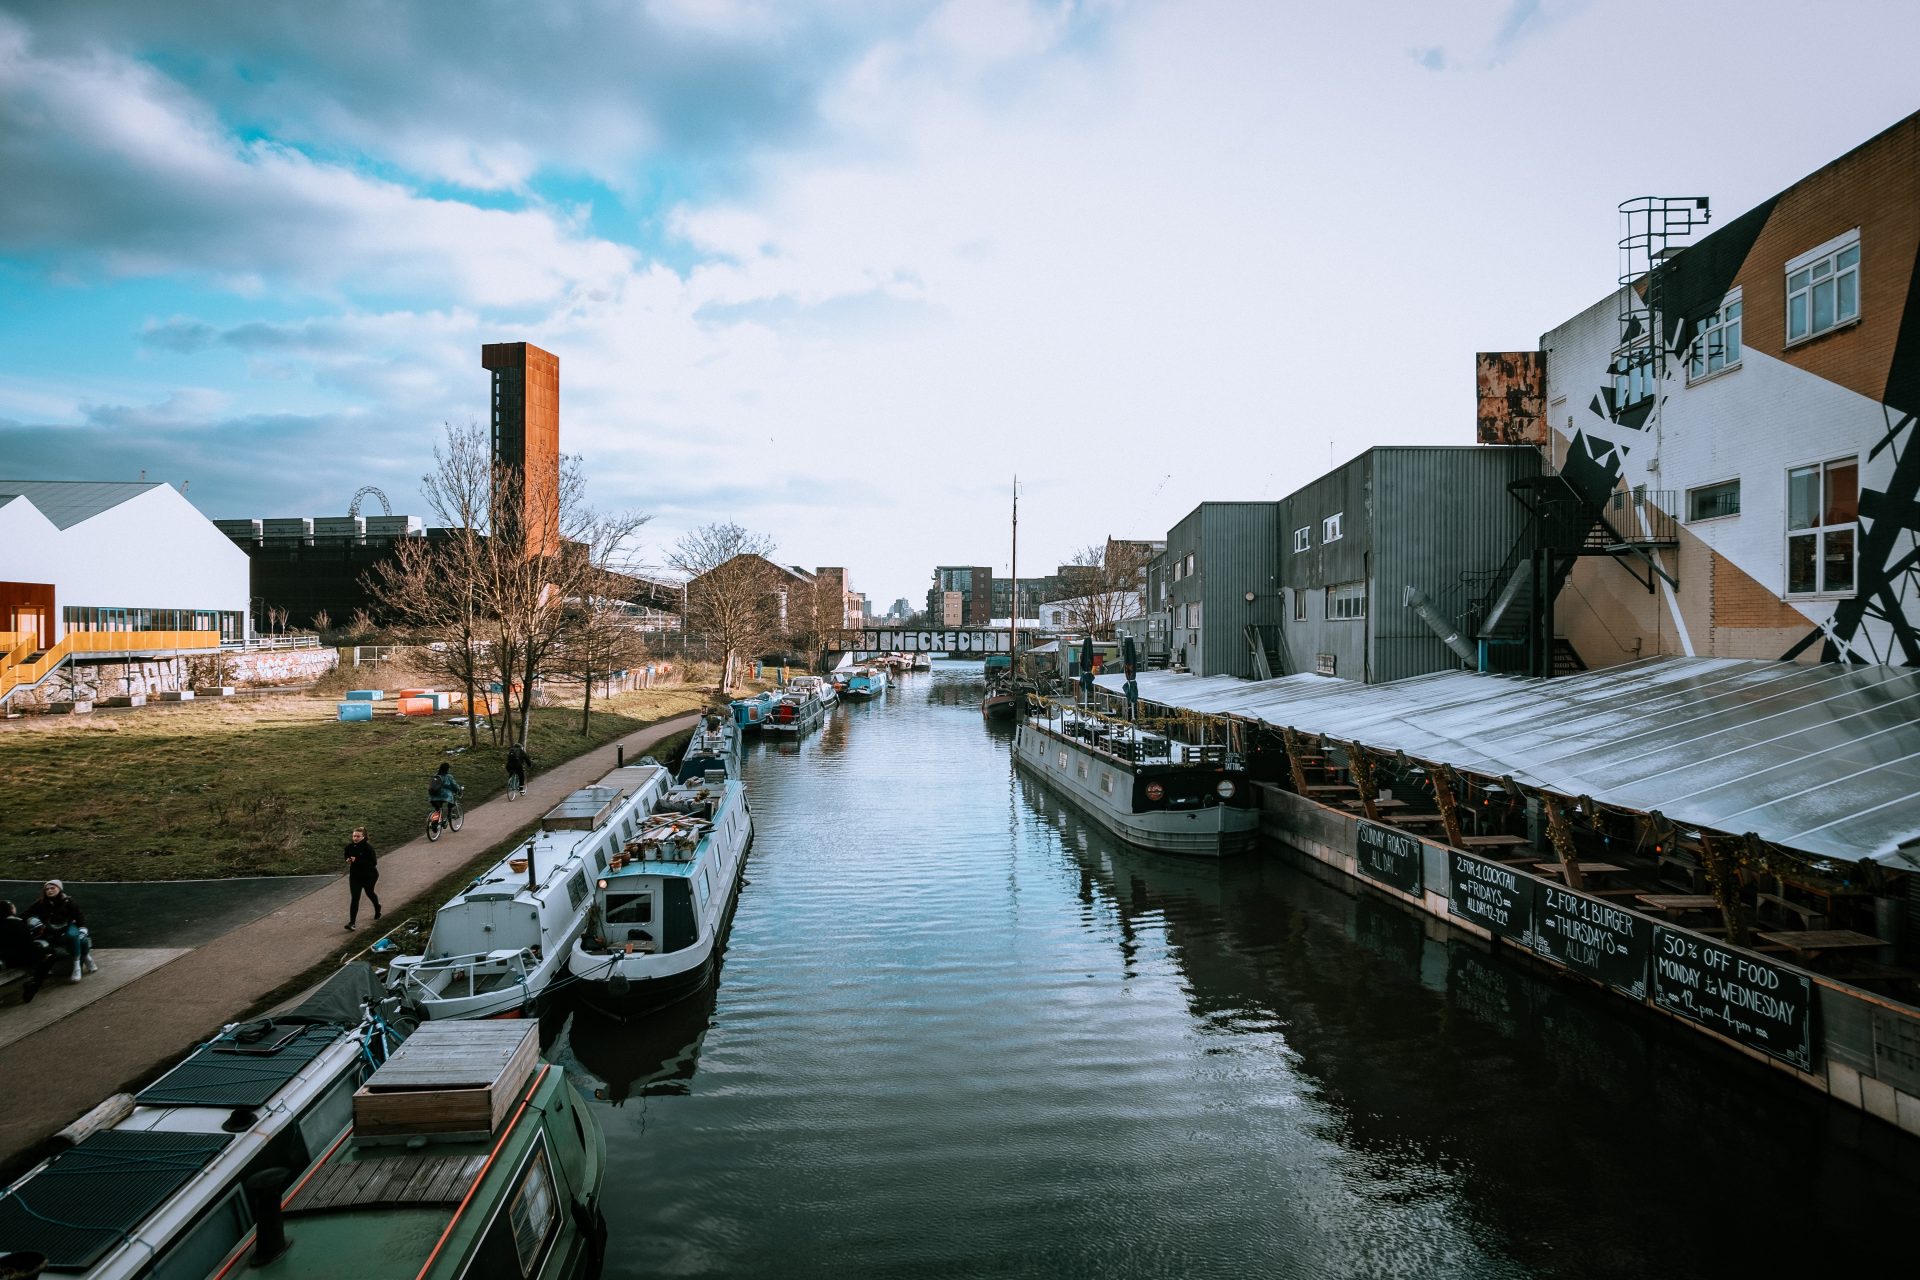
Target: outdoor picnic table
x=1678, y=903
x=1378, y=804
x=1494, y=842
x=1586, y=868
x=1811, y=942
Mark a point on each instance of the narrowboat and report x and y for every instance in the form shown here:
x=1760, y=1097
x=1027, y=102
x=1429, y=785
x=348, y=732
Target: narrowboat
x=1145, y=787
x=865, y=684
x=469, y=1158
x=661, y=911
x=155, y=1184
x=801, y=706
x=750, y=714
x=499, y=943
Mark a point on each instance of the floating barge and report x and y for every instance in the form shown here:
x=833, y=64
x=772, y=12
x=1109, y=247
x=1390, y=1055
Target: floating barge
x=1728, y=844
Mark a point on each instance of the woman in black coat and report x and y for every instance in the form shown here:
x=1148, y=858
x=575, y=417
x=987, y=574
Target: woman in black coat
x=363, y=870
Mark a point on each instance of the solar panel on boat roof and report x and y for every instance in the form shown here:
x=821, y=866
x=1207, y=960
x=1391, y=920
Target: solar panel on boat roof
x=213, y=1078
x=90, y=1197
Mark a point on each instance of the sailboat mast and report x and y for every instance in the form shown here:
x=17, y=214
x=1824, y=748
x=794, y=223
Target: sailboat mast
x=1013, y=614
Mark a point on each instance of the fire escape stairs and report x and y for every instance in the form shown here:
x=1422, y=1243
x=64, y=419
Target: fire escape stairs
x=1626, y=526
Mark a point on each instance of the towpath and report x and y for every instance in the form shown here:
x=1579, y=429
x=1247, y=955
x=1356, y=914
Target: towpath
x=100, y=1047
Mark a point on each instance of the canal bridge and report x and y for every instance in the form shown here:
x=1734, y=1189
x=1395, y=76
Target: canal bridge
x=962, y=641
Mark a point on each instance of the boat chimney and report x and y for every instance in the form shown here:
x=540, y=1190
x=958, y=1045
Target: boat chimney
x=270, y=1224
x=620, y=756
x=533, y=877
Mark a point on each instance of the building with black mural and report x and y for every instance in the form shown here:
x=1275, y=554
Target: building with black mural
x=1752, y=386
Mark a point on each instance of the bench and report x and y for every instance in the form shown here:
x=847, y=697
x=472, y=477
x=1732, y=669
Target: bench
x=1811, y=917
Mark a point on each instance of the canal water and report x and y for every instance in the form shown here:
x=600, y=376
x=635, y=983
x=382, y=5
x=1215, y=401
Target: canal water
x=961, y=1032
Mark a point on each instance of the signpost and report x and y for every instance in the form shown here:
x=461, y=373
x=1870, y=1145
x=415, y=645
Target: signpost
x=1498, y=899
x=1594, y=937
x=1390, y=857
x=1741, y=996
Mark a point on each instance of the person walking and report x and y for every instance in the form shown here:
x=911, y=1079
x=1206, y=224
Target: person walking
x=66, y=925
x=19, y=949
x=363, y=871
x=519, y=765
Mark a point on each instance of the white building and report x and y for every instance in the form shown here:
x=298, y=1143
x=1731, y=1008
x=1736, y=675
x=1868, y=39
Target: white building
x=107, y=567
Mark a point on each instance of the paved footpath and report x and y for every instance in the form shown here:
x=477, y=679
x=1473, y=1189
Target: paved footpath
x=59, y=1072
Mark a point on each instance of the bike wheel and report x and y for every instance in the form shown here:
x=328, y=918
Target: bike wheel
x=513, y=787
x=455, y=817
x=433, y=828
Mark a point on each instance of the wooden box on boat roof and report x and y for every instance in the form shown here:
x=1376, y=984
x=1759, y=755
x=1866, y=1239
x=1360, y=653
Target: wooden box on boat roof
x=584, y=810
x=449, y=1078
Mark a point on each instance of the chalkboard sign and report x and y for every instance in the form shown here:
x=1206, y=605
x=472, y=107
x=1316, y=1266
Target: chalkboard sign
x=1740, y=996
x=1391, y=857
x=1498, y=899
x=1594, y=937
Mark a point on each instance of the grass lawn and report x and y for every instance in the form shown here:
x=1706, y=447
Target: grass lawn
x=253, y=786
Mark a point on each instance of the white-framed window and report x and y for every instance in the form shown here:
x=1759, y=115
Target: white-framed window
x=1823, y=287
x=1823, y=513
x=1330, y=527
x=1063, y=759
x=1106, y=783
x=1303, y=538
x=1299, y=605
x=1714, y=501
x=1080, y=768
x=1176, y=570
x=1716, y=348
x=1189, y=564
x=1632, y=370
x=1347, y=601
x=1193, y=614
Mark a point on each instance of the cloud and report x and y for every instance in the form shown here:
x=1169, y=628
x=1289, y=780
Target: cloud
x=110, y=162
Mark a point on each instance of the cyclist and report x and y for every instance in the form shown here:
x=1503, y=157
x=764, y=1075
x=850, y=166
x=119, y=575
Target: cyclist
x=519, y=765
x=442, y=787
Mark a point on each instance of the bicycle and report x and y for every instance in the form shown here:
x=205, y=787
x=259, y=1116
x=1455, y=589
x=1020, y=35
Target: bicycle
x=452, y=820
x=515, y=785
x=381, y=1035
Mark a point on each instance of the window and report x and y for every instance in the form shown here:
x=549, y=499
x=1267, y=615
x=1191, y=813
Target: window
x=1189, y=564
x=1299, y=605
x=532, y=1213
x=1193, y=614
x=1712, y=501
x=629, y=908
x=1823, y=509
x=1303, y=538
x=1823, y=288
x=1177, y=567
x=1106, y=783
x=1330, y=527
x=1717, y=346
x=1632, y=370
x=1347, y=601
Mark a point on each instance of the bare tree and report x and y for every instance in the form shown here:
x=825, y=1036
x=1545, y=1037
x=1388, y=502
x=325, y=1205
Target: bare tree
x=730, y=588
x=1114, y=593
x=601, y=638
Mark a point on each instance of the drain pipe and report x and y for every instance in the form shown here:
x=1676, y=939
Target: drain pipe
x=1449, y=635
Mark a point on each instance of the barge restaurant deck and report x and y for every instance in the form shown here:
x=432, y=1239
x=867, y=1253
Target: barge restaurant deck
x=1731, y=844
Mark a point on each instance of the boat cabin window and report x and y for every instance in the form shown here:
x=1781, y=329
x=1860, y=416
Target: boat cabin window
x=197, y=1252
x=517, y=1241
x=322, y=1122
x=577, y=888
x=629, y=908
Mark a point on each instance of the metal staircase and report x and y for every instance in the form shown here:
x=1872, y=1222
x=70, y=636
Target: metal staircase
x=1510, y=609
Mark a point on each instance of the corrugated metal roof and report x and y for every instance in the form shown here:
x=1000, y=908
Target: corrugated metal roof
x=1825, y=759
x=67, y=502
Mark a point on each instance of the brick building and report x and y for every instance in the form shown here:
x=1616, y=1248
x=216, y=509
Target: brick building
x=1757, y=390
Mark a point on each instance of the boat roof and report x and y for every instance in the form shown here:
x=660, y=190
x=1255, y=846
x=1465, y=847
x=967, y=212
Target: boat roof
x=1822, y=758
x=89, y=1198
x=228, y=1072
x=550, y=851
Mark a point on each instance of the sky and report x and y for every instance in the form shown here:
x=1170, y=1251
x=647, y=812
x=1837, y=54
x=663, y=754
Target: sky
x=839, y=272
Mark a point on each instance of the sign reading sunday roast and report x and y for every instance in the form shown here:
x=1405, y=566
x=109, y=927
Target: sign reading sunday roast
x=1498, y=899
x=1390, y=857
x=1741, y=996
x=1594, y=937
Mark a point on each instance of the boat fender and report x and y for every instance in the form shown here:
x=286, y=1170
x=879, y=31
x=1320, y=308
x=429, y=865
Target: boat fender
x=618, y=984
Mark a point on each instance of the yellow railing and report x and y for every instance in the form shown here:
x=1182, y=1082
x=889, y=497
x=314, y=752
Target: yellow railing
x=15, y=645
x=14, y=673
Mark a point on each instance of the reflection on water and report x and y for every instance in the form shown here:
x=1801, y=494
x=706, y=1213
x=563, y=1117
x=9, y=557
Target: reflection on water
x=959, y=1031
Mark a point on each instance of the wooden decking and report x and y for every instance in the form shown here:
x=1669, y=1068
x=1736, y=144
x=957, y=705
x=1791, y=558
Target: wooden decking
x=389, y=1180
